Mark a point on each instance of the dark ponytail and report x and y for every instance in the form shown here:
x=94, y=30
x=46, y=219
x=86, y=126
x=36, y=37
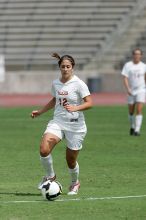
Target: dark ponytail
x=65, y=57
x=56, y=55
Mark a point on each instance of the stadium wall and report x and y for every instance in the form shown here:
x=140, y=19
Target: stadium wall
x=37, y=82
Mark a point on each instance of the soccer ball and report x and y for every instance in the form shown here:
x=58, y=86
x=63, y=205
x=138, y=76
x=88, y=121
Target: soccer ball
x=51, y=190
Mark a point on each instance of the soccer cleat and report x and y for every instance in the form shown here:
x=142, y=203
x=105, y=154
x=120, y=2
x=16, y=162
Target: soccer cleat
x=73, y=189
x=136, y=133
x=45, y=178
x=131, y=131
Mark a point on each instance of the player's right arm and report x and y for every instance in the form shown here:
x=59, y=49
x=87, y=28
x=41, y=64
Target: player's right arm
x=125, y=76
x=48, y=106
x=126, y=84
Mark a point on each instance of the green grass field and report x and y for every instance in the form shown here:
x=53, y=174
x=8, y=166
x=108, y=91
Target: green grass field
x=112, y=164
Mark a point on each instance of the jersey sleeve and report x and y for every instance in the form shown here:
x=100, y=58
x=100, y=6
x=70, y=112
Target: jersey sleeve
x=83, y=89
x=53, y=91
x=125, y=71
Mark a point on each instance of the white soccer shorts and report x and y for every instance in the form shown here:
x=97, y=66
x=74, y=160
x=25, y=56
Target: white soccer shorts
x=140, y=97
x=73, y=139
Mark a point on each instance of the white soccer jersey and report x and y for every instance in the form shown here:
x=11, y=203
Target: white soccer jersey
x=136, y=76
x=72, y=92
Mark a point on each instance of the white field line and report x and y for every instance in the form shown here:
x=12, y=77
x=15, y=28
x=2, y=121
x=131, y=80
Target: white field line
x=75, y=199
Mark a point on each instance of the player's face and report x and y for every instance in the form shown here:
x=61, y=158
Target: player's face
x=137, y=56
x=66, y=70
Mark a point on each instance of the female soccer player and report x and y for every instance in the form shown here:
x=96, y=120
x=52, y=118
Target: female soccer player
x=134, y=76
x=70, y=97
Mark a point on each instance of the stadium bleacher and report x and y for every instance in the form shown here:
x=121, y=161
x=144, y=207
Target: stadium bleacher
x=32, y=29
x=140, y=43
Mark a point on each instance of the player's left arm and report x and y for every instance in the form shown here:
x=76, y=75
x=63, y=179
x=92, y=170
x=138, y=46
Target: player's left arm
x=85, y=105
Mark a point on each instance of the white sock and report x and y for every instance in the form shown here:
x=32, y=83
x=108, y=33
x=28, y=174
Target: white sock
x=47, y=163
x=138, y=122
x=132, y=121
x=74, y=173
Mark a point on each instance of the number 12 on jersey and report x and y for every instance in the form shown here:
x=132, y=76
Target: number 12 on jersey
x=63, y=101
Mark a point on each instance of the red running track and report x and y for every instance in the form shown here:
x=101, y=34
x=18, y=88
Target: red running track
x=39, y=100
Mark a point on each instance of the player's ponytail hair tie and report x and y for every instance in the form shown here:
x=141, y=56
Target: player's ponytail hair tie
x=65, y=57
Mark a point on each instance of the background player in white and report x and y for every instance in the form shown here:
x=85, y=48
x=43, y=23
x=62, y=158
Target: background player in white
x=134, y=76
x=70, y=97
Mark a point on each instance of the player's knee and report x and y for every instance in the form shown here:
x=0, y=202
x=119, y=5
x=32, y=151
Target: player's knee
x=46, y=147
x=44, y=150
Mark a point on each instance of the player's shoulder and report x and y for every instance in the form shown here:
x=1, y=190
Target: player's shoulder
x=142, y=64
x=128, y=64
x=81, y=87
x=78, y=80
x=56, y=81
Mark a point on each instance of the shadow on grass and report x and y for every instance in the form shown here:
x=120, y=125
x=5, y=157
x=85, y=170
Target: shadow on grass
x=20, y=194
